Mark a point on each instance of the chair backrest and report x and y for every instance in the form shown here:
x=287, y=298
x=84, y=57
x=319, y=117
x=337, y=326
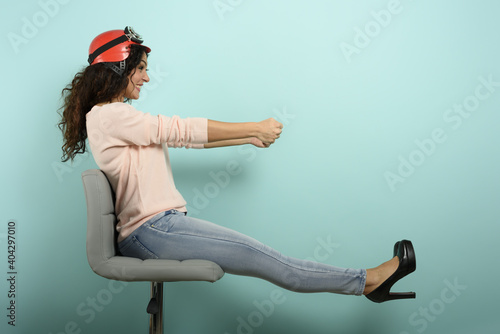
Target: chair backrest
x=101, y=219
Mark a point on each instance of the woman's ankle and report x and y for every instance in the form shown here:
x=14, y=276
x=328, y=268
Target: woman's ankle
x=376, y=276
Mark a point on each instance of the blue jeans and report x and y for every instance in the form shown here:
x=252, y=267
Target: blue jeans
x=175, y=236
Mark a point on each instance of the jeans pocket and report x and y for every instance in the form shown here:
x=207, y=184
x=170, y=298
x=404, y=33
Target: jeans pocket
x=125, y=244
x=137, y=249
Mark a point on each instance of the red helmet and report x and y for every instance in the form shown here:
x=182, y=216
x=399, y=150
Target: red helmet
x=113, y=46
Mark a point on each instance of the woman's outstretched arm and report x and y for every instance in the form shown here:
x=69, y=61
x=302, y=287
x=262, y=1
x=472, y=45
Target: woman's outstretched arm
x=229, y=134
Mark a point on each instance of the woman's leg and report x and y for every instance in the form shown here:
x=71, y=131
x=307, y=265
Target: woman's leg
x=178, y=237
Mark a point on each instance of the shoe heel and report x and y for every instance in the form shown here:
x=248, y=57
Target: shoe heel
x=401, y=295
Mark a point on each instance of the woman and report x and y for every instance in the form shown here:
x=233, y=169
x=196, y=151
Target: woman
x=131, y=148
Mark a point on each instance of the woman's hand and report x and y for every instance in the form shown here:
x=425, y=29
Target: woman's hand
x=269, y=130
x=257, y=142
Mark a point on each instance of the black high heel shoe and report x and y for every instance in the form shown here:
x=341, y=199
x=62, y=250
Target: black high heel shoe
x=407, y=264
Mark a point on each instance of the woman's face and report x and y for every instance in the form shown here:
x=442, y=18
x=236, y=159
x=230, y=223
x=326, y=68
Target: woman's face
x=137, y=78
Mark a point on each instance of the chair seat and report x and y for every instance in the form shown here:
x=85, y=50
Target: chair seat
x=131, y=270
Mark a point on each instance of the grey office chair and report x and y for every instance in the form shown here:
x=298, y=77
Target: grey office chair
x=104, y=258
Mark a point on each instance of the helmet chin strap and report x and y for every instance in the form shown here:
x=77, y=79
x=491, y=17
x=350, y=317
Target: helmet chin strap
x=120, y=69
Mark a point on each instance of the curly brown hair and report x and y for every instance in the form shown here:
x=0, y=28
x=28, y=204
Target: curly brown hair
x=93, y=85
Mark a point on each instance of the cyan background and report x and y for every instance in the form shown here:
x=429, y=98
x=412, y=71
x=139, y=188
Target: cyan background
x=348, y=121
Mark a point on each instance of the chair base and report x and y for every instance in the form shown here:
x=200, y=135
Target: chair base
x=155, y=308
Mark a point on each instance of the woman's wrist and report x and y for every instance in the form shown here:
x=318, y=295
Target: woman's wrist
x=254, y=129
x=218, y=131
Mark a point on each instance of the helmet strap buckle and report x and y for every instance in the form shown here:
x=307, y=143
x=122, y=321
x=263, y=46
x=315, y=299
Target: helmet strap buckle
x=118, y=67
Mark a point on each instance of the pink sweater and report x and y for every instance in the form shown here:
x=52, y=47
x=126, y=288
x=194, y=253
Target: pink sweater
x=127, y=145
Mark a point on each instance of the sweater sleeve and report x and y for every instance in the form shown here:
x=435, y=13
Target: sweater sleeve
x=128, y=126
x=188, y=132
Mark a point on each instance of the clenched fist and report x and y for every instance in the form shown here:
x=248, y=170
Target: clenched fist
x=269, y=130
